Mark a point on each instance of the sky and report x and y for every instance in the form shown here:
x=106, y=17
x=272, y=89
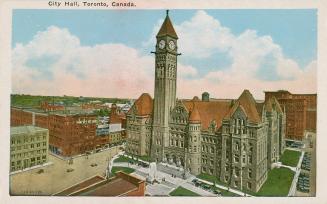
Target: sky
x=106, y=53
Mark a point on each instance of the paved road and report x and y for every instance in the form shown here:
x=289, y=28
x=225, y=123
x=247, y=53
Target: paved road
x=56, y=178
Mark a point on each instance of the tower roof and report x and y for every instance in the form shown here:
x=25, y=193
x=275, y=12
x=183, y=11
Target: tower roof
x=167, y=28
x=143, y=105
x=195, y=115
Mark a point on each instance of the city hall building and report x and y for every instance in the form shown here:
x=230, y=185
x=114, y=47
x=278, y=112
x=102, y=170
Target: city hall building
x=235, y=140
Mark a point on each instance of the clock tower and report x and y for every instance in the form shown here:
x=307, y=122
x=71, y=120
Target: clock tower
x=165, y=87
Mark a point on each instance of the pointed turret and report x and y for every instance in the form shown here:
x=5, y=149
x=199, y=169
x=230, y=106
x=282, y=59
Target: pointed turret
x=195, y=115
x=167, y=28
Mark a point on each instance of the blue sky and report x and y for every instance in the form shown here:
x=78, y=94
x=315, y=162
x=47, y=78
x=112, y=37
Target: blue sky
x=294, y=32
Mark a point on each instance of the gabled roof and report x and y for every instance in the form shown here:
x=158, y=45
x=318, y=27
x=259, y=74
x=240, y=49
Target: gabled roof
x=271, y=103
x=208, y=111
x=167, y=28
x=143, y=105
x=249, y=105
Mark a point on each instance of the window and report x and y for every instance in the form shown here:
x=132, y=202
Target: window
x=249, y=185
x=250, y=173
x=244, y=159
x=211, y=171
x=237, y=172
x=211, y=162
x=237, y=146
x=250, y=159
x=212, y=150
x=226, y=167
x=226, y=178
x=236, y=158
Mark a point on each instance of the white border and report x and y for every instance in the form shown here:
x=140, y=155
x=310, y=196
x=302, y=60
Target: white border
x=5, y=90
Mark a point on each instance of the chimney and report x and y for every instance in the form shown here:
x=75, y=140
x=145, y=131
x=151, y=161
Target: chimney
x=205, y=96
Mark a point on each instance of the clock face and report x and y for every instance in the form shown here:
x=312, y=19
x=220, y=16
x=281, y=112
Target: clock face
x=162, y=44
x=172, y=45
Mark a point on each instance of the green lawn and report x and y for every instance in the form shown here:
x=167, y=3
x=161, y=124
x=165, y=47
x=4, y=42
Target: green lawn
x=123, y=159
x=290, y=158
x=278, y=182
x=180, y=191
x=121, y=168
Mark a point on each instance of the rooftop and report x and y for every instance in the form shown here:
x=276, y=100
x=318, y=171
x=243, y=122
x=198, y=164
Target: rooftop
x=29, y=129
x=99, y=186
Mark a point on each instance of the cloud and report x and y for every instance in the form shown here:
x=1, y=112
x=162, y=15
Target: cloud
x=202, y=35
x=55, y=63
x=257, y=62
x=112, y=70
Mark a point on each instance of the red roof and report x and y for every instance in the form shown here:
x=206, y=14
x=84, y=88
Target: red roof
x=167, y=29
x=249, y=105
x=195, y=115
x=143, y=105
x=208, y=111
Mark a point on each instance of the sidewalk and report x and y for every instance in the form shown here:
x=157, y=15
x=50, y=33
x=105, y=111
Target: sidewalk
x=295, y=179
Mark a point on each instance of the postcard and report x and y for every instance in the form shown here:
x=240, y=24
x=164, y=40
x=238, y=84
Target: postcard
x=136, y=101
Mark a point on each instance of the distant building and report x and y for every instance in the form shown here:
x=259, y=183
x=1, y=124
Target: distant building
x=121, y=185
x=70, y=133
x=46, y=106
x=301, y=112
x=28, y=147
x=235, y=141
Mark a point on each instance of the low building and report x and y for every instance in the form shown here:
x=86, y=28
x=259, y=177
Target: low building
x=121, y=185
x=28, y=147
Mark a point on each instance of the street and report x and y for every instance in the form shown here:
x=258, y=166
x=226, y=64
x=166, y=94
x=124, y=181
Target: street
x=56, y=178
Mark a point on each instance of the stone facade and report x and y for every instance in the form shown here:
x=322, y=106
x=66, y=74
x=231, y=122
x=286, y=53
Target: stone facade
x=234, y=140
x=28, y=147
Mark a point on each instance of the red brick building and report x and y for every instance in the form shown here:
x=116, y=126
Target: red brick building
x=301, y=112
x=69, y=134
x=121, y=185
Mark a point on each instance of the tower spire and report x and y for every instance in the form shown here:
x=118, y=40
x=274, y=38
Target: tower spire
x=167, y=28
